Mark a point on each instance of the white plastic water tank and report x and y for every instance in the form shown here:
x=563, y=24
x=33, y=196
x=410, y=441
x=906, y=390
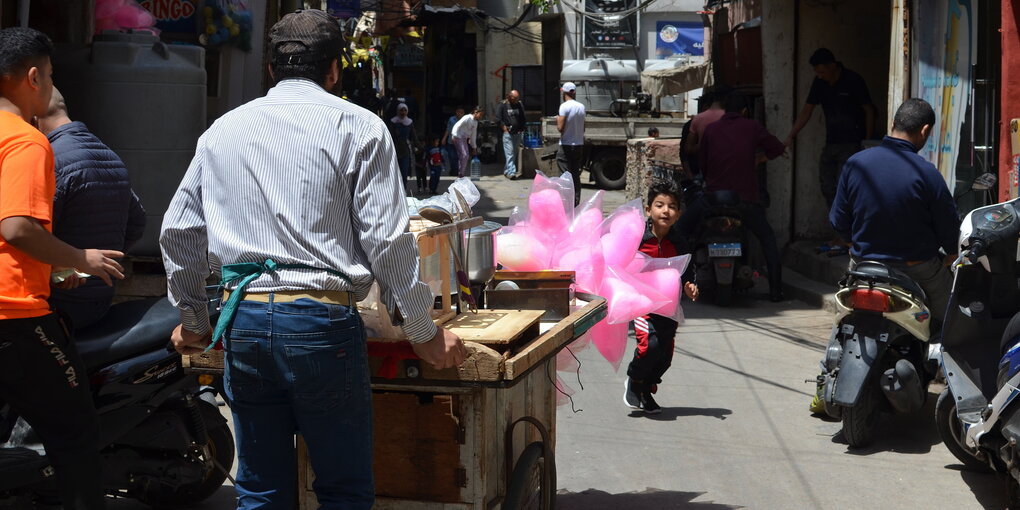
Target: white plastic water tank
x=146, y=100
x=601, y=80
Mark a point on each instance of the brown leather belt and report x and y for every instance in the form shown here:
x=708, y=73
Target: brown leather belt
x=332, y=297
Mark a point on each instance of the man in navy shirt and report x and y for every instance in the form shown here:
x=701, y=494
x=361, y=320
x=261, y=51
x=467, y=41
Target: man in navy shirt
x=895, y=207
x=849, y=116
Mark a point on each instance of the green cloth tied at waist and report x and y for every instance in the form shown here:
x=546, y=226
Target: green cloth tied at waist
x=247, y=272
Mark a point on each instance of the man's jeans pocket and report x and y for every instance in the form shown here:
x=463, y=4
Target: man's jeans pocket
x=242, y=374
x=321, y=372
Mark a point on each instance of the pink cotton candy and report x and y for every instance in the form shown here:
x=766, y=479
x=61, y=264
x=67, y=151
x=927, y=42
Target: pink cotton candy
x=618, y=249
x=519, y=250
x=588, y=266
x=133, y=16
x=621, y=242
x=638, y=263
x=588, y=221
x=547, y=213
x=628, y=298
x=665, y=282
x=611, y=341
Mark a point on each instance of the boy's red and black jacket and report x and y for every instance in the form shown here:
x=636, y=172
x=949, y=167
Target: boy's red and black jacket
x=672, y=245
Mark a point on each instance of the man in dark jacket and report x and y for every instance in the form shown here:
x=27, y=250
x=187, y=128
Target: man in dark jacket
x=729, y=157
x=895, y=207
x=511, y=119
x=93, y=206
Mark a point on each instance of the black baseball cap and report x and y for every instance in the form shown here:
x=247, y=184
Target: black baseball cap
x=306, y=37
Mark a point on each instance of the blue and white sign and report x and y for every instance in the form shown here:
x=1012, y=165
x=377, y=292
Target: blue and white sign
x=679, y=38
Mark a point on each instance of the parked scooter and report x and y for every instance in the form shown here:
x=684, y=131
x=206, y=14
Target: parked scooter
x=877, y=358
x=165, y=441
x=977, y=414
x=720, y=249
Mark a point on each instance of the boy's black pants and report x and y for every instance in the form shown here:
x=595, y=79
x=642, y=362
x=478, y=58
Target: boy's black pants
x=656, y=337
x=44, y=381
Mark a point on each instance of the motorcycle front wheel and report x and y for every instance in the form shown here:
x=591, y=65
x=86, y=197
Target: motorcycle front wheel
x=221, y=448
x=951, y=433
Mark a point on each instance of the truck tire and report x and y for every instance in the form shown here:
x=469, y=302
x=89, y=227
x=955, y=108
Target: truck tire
x=609, y=167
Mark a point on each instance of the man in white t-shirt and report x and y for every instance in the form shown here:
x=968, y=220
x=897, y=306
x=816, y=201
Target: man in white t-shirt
x=570, y=124
x=465, y=138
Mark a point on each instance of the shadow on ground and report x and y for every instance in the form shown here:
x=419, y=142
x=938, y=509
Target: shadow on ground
x=913, y=433
x=649, y=499
x=672, y=413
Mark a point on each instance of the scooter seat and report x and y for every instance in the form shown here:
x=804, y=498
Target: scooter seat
x=128, y=329
x=722, y=198
x=874, y=271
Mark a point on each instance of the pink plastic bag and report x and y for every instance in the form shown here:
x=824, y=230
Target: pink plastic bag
x=678, y=264
x=628, y=298
x=522, y=248
x=611, y=341
x=667, y=283
x=622, y=233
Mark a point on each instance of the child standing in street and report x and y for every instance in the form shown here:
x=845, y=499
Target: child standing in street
x=656, y=335
x=434, y=160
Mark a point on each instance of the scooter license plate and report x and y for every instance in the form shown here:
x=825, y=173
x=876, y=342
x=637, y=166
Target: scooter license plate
x=724, y=250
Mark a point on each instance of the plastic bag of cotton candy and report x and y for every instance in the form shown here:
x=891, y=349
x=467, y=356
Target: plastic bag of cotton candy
x=527, y=243
x=603, y=253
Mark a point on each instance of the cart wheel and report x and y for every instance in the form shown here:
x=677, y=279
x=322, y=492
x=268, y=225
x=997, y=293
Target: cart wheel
x=533, y=482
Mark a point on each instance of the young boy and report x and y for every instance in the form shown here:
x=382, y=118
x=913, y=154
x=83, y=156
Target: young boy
x=434, y=160
x=656, y=335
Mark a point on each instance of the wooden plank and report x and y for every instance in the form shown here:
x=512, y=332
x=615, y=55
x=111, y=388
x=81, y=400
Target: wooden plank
x=404, y=504
x=483, y=364
x=204, y=363
x=416, y=448
x=490, y=327
x=551, y=342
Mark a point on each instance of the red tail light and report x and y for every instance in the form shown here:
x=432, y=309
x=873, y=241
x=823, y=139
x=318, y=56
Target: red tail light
x=870, y=300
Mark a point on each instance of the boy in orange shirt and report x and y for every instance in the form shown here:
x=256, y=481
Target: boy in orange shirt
x=42, y=377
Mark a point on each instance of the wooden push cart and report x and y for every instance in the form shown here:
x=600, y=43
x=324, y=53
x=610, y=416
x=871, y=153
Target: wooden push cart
x=480, y=436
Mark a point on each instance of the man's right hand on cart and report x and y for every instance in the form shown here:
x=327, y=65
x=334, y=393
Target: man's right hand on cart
x=445, y=350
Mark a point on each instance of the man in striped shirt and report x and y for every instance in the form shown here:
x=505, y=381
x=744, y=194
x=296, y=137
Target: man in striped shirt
x=300, y=191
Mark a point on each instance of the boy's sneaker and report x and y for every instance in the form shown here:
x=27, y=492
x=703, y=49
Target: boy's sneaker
x=631, y=398
x=649, y=405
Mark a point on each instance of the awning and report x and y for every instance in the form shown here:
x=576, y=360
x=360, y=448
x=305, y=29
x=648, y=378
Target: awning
x=670, y=82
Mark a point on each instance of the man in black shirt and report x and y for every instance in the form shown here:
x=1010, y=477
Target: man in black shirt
x=849, y=116
x=511, y=119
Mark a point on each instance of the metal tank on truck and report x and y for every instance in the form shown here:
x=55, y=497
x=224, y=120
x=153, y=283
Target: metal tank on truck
x=617, y=110
x=147, y=101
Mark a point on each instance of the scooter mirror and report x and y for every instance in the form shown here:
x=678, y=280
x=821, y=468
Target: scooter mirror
x=984, y=181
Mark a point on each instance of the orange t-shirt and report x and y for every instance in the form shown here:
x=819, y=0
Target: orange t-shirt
x=27, y=184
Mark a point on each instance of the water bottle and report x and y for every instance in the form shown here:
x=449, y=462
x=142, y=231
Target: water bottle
x=476, y=169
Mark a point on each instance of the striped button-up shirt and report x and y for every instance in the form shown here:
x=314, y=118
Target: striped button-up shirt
x=299, y=176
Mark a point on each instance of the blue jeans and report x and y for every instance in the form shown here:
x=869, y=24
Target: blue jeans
x=451, y=158
x=404, y=163
x=510, y=144
x=292, y=367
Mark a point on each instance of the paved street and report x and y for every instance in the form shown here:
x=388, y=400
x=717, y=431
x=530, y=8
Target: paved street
x=735, y=431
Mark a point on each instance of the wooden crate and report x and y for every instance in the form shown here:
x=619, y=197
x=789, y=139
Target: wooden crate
x=442, y=448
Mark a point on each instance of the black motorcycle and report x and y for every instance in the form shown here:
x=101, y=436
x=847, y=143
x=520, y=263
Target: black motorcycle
x=721, y=248
x=164, y=440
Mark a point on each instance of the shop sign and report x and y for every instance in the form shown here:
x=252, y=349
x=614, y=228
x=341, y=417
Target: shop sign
x=944, y=49
x=344, y=8
x=679, y=38
x=408, y=55
x=177, y=16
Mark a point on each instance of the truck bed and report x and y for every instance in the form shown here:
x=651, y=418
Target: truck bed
x=617, y=130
